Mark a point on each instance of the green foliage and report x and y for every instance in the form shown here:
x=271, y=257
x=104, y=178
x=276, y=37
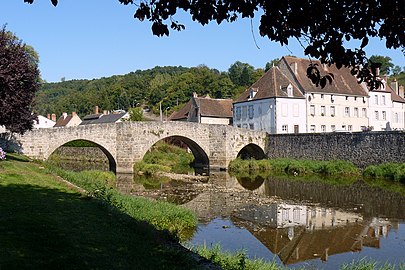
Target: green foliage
x=385, y=62
x=135, y=114
x=294, y=167
x=389, y=171
x=165, y=157
x=369, y=264
x=234, y=261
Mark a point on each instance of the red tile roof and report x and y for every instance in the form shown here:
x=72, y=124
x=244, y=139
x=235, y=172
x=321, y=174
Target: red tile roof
x=215, y=107
x=272, y=84
x=343, y=83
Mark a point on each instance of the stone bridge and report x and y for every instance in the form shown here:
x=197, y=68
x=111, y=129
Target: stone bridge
x=213, y=146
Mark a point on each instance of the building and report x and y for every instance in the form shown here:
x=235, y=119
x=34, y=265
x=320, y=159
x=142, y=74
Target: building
x=284, y=100
x=43, y=122
x=106, y=117
x=68, y=120
x=205, y=110
x=274, y=104
x=387, y=108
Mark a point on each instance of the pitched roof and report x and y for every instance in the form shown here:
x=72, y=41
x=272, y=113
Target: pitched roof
x=394, y=96
x=108, y=118
x=272, y=84
x=182, y=114
x=343, y=83
x=62, y=122
x=215, y=107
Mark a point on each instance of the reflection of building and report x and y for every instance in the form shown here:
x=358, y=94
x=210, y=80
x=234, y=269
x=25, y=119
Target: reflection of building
x=298, y=232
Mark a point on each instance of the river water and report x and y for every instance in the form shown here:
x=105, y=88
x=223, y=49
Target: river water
x=295, y=223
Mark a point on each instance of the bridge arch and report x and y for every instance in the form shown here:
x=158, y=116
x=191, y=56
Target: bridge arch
x=111, y=160
x=201, y=160
x=251, y=151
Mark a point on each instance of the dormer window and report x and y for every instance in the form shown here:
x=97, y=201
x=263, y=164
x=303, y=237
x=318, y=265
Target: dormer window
x=289, y=90
x=252, y=93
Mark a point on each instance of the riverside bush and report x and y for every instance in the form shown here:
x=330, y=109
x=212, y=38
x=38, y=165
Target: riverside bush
x=294, y=167
x=389, y=171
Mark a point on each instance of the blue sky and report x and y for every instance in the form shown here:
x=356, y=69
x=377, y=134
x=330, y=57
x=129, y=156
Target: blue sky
x=86, y=39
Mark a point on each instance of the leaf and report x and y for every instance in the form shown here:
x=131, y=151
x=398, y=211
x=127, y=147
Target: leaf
x=54, y=2
x=322, y=82
x=364, y=42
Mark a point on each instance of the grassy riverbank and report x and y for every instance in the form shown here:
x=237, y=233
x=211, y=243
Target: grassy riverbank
x=47, y=223
x=166, y=158
x=336, y=168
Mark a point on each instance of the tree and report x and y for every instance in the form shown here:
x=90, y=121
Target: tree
x=135, y=114
x=241, y=74
x=272, y=63
x=396, y=70
x=19, y=81
x=385, y=62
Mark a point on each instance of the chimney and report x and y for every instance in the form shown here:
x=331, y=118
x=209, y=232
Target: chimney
x=195, y=94
x=394, y=86
x=105, y=112
x=401, y=91
x=64, y=115
x=96, y=110
x=48, y=116
x=74, y=114
x=53, y=117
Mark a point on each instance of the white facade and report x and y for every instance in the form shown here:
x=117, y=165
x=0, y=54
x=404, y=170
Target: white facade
x=43, y=122
x=333, y=112
x=273, y=115
x=214, y=120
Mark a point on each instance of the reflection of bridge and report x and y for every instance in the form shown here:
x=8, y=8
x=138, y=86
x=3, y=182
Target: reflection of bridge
x=213, y=146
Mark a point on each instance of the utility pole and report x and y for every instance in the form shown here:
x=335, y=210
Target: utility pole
x=161, y=113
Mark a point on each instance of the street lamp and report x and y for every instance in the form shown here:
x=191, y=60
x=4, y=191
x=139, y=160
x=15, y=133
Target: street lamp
x=166, y=112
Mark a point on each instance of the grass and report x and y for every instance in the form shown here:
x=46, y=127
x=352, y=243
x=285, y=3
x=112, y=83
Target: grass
x=295, y=167
x=167, y=158
x=389, y=171
x=46, y=224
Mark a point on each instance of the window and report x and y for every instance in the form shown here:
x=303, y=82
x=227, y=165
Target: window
x=376, y=99
x=290, y=90
x=250, y=111
x=364, y=112
x=296, y=110
x=312, y=110
x=252, y=126
x=332, y=110
x=384, y=115
x=396, y=118
x=244, y=112
x=323, y=111
x=284, y=128
x=376, y=115
x=356, y=112
x=347, y=111
x=349, y=127
x=323, y=128
x=312, y=128
x=237, y=113
x=296, y=214
x=383, y=100
x=332, y=127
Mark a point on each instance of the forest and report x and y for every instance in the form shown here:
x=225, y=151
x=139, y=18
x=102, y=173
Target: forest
x=171, y=85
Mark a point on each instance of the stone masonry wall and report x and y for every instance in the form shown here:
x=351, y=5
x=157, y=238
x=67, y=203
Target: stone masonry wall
x=361, y=148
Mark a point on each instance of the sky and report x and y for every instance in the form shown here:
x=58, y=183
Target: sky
x=87, y=39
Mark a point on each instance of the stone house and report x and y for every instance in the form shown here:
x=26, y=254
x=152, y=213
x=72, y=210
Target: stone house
x=205, y=110
x=66, y=120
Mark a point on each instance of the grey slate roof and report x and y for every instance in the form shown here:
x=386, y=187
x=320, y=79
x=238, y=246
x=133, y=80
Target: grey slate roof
x=102, y=119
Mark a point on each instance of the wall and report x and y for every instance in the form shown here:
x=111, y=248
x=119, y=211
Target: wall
x=362, y=148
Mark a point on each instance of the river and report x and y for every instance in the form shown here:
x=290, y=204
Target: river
x=293, y=222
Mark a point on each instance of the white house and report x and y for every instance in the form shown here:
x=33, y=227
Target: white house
x=43, y=122
x=341, y=105
x=387, y=108
x=274, y=104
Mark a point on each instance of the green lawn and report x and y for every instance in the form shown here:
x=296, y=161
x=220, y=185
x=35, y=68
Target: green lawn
x=44, y=224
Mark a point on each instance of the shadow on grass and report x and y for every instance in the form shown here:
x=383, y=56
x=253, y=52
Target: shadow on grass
x=44, y=228
x=16, y=157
